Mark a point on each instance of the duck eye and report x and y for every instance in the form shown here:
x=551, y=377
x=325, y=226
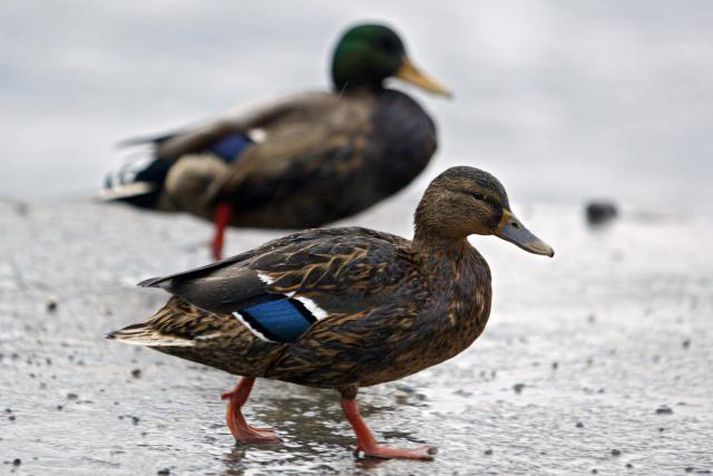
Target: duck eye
x=477, y=195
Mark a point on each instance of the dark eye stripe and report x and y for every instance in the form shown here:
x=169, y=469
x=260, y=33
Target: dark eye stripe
x=476, y=195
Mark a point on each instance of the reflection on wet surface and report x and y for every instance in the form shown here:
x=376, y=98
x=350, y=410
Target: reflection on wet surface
x=580, y=355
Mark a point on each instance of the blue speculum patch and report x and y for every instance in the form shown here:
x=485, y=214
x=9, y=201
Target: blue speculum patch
x=230, y=147
x=282, y=320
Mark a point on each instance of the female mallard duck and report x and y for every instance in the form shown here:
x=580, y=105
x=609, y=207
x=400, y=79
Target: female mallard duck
x=300, y=161
x=342, y=308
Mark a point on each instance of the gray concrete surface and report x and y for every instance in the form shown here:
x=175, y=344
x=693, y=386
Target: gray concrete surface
x=597, y=360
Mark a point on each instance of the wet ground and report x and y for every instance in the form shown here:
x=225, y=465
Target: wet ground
x=598, y=360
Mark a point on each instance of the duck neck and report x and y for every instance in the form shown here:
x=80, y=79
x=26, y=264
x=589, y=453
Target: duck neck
x=429, y=244
x=449, y=260
x=459, y=279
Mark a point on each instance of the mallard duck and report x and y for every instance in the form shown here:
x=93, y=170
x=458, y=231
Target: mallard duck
x=299, y=161
x=342, y=308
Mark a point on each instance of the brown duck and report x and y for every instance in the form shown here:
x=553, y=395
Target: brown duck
x=298, y=161
x=342, y=308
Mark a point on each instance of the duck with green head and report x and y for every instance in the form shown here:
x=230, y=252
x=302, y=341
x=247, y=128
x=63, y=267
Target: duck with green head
x=300, y=161
x=342, y=308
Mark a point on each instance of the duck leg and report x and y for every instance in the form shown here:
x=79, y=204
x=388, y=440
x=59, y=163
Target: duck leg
x=223, y=213
x=366, y=443
x=243, y=432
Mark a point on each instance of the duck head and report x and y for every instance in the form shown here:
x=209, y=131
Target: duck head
x=368, y=54
x=465, y=201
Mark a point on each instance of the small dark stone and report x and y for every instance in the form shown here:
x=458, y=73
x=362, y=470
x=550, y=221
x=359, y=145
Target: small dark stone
x=661, y=429
x=51, y=305
x=555, y=365
x=615, y=452
x=136, y=373
x=72, y=396
x=11, y=418
x=664, y=410
x=8, y=410
x=600, y=211
x=629, y=465
x=135, y=420
x=488, y=452
x=594, y=471
x=579, y=424
x=689, y=469
x=59, y=407
x=686, y=343
x=16, y=462
x=518, y=387
x=164, y=472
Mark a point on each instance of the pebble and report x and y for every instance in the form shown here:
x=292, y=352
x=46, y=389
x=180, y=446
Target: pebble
x=615, y=452
x=600, y=211
x=51, y=305
x=72, y=396
x=136, y=373
x=579, y=424
x=164, y=472
x=488, y=452
x=686, y=343
x=16, y=462
x=518, y=387
x=664, y=410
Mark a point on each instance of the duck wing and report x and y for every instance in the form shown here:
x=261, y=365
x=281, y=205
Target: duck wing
x=242, y=120
x=285, y=287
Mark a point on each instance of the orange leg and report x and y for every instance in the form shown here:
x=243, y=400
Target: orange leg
x=242, y=432
x=222, y=219
x=366, y=443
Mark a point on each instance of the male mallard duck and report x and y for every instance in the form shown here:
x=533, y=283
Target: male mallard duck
x=300, y=161
x=342, y=308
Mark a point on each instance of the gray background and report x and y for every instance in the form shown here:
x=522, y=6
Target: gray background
x=561, y=100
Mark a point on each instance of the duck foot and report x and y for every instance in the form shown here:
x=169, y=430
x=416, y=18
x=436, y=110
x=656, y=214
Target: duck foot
x=242, y=432
x=222, y=219
x=385, y=452
x=367, y=445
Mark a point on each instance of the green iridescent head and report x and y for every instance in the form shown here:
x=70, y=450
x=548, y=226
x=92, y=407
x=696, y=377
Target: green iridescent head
x=367, y=54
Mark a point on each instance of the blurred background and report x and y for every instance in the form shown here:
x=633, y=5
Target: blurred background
x=563, y=101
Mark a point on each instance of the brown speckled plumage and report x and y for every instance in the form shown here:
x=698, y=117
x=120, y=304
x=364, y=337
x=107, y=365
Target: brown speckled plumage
x=392, y=307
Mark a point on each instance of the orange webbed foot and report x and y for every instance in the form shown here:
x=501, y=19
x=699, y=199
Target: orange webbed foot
x=385, y=452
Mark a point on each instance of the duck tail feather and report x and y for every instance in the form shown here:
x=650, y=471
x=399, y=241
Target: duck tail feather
x=146, y=335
